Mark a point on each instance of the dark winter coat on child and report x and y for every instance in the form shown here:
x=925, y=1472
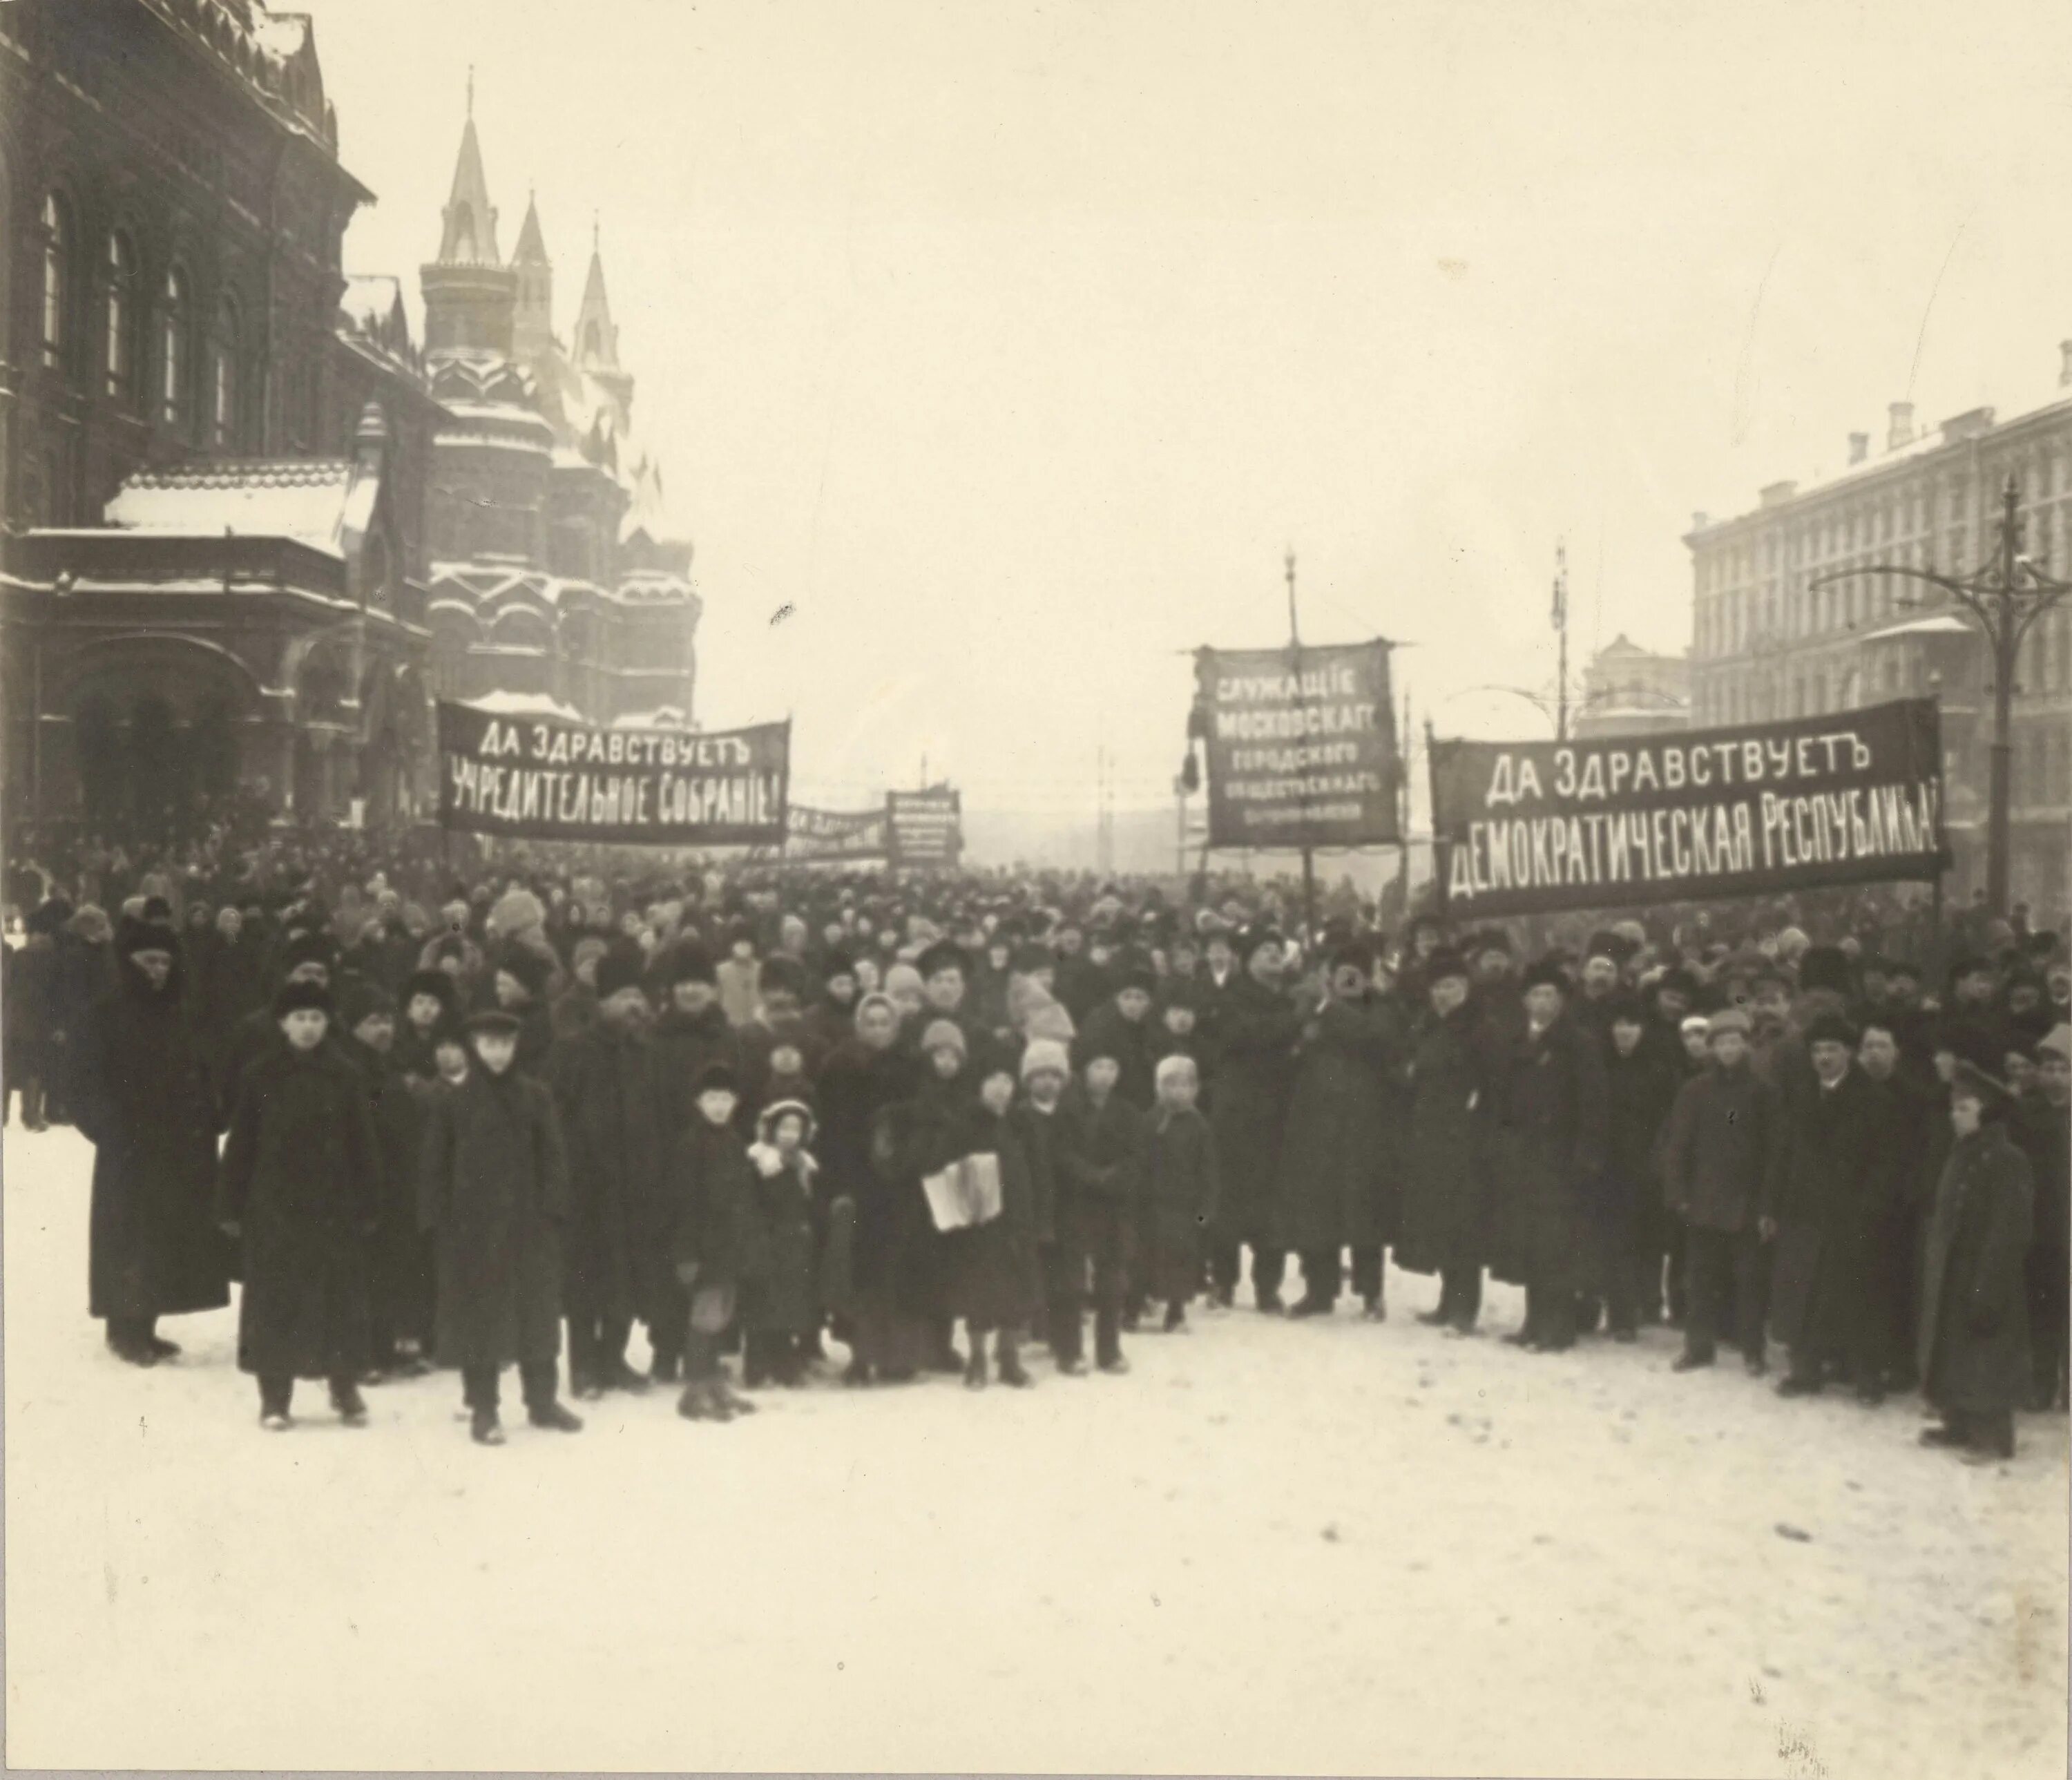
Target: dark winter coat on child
x=1180, y=1189
x=994, y=1278
x=1100, y=1175
x=713, y=1213
x=493, y=1191
x=302, y=1177
x=140, y=1096
x=779, y=1292
x=1974, y=1338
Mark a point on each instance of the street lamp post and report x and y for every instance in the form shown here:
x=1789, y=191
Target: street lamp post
x=2007, y=595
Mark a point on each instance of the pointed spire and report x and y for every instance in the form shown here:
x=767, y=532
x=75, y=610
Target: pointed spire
x=469, y=236
x=597, y=340
x=532, y=248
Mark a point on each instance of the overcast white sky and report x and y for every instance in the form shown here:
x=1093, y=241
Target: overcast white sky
x=1009, y=346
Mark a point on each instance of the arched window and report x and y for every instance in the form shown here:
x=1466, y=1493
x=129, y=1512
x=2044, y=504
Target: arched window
x=120, y=269
x=57, y=280
x=175, y=404
x=224, y=392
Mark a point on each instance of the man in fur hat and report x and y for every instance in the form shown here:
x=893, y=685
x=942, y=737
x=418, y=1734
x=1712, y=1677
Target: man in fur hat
x=1550, y=1116
x=140, y=1096
x=1827, y=1204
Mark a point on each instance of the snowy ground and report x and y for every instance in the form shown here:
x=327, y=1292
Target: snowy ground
x=1274, y=1547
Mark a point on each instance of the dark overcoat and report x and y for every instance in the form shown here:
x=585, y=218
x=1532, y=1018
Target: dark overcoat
x=1100, y=1175
x=1252, y=1056
x=302, y=1176
x=712, y=1223
x=1721, y=1147
x=1446, y=1204
x=992, y=1267
x=402, y=1278
x=779, y=1290
x=1974, y=1332
x=140, y=1095
x=1180, y=1190
x=1830, y=1203
x=1337, y=1182
x=614, y=1245
x=493, y=1191
x=1550, y=1117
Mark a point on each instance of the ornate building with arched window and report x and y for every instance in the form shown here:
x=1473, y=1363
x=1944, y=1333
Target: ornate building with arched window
x=212, y=459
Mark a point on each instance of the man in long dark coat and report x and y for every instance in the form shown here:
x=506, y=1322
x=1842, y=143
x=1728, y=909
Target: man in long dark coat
x=1338, y=1156
x=1550, y=1116
x=1828, y=1204
x=1445, y=1211
x=493, y=1191
x=1974, y=1351
x=2043, y=1128
x=606, y=1093
x=1252, y=1058
x=140, y=1096
x=301, y=1188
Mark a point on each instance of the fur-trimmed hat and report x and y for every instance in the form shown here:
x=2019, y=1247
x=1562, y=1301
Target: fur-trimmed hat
x=527, y=966
x=688, y=962
x=944, y=955
x=361, y=999
x=1042, y=1053
x=1825, y=967
x=306, y=948
x=944, y=1035
x=1547, y=971
x=766, y=1120
x=1250, y=942
x=717, y=1077
x=300, y=995
x=622, y=967
x=137, y=936
x=1830, y=1028
x=1177, y=1063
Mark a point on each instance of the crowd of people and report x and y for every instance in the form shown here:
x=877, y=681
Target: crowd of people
x=476, y=1120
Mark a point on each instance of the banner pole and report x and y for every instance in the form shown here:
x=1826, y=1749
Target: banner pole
x=1309, y=854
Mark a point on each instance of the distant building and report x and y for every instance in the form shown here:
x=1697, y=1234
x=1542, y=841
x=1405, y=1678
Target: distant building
x=1628, y=690
x=1767, y=644
x=212, y=445
x=557, y=580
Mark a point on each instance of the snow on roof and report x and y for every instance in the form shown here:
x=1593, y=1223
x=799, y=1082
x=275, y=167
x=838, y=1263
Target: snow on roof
x=306, y=498
x=281, y=35
x=369, y=299
x=524, y=704
x=1937, y=624
x=663, y=716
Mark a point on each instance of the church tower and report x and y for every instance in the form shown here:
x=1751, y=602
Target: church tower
x=470, y=295
x=595, y=346
x=533, y=331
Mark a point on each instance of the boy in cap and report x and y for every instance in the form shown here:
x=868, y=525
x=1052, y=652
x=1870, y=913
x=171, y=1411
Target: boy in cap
x=1724, y=1131
x=711, y=1188
x=302, y=1174
x=1100, y=1174
x=1179, y=1192
x=401, y=1287
x=493, y=1193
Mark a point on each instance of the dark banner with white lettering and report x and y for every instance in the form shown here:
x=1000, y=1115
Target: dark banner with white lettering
x=1301, y=746
x=927, y=827
x=813, y=834
x=1532, y=827
x=548, y=779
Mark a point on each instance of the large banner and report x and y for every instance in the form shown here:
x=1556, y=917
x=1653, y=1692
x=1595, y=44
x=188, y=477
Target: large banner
x=1301, y=746
x=1530, y=827
x=927, y=827
x=812, y=834
x=548, y=779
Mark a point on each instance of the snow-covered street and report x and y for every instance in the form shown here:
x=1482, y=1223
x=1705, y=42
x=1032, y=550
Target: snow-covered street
x=1274, y=1547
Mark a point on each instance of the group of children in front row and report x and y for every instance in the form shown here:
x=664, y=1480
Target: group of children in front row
x=1093, y=1194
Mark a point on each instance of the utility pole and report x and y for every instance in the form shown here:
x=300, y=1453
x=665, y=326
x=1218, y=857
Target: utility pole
x=1561, y=630
x=2006, y=596
x=1309, y=856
